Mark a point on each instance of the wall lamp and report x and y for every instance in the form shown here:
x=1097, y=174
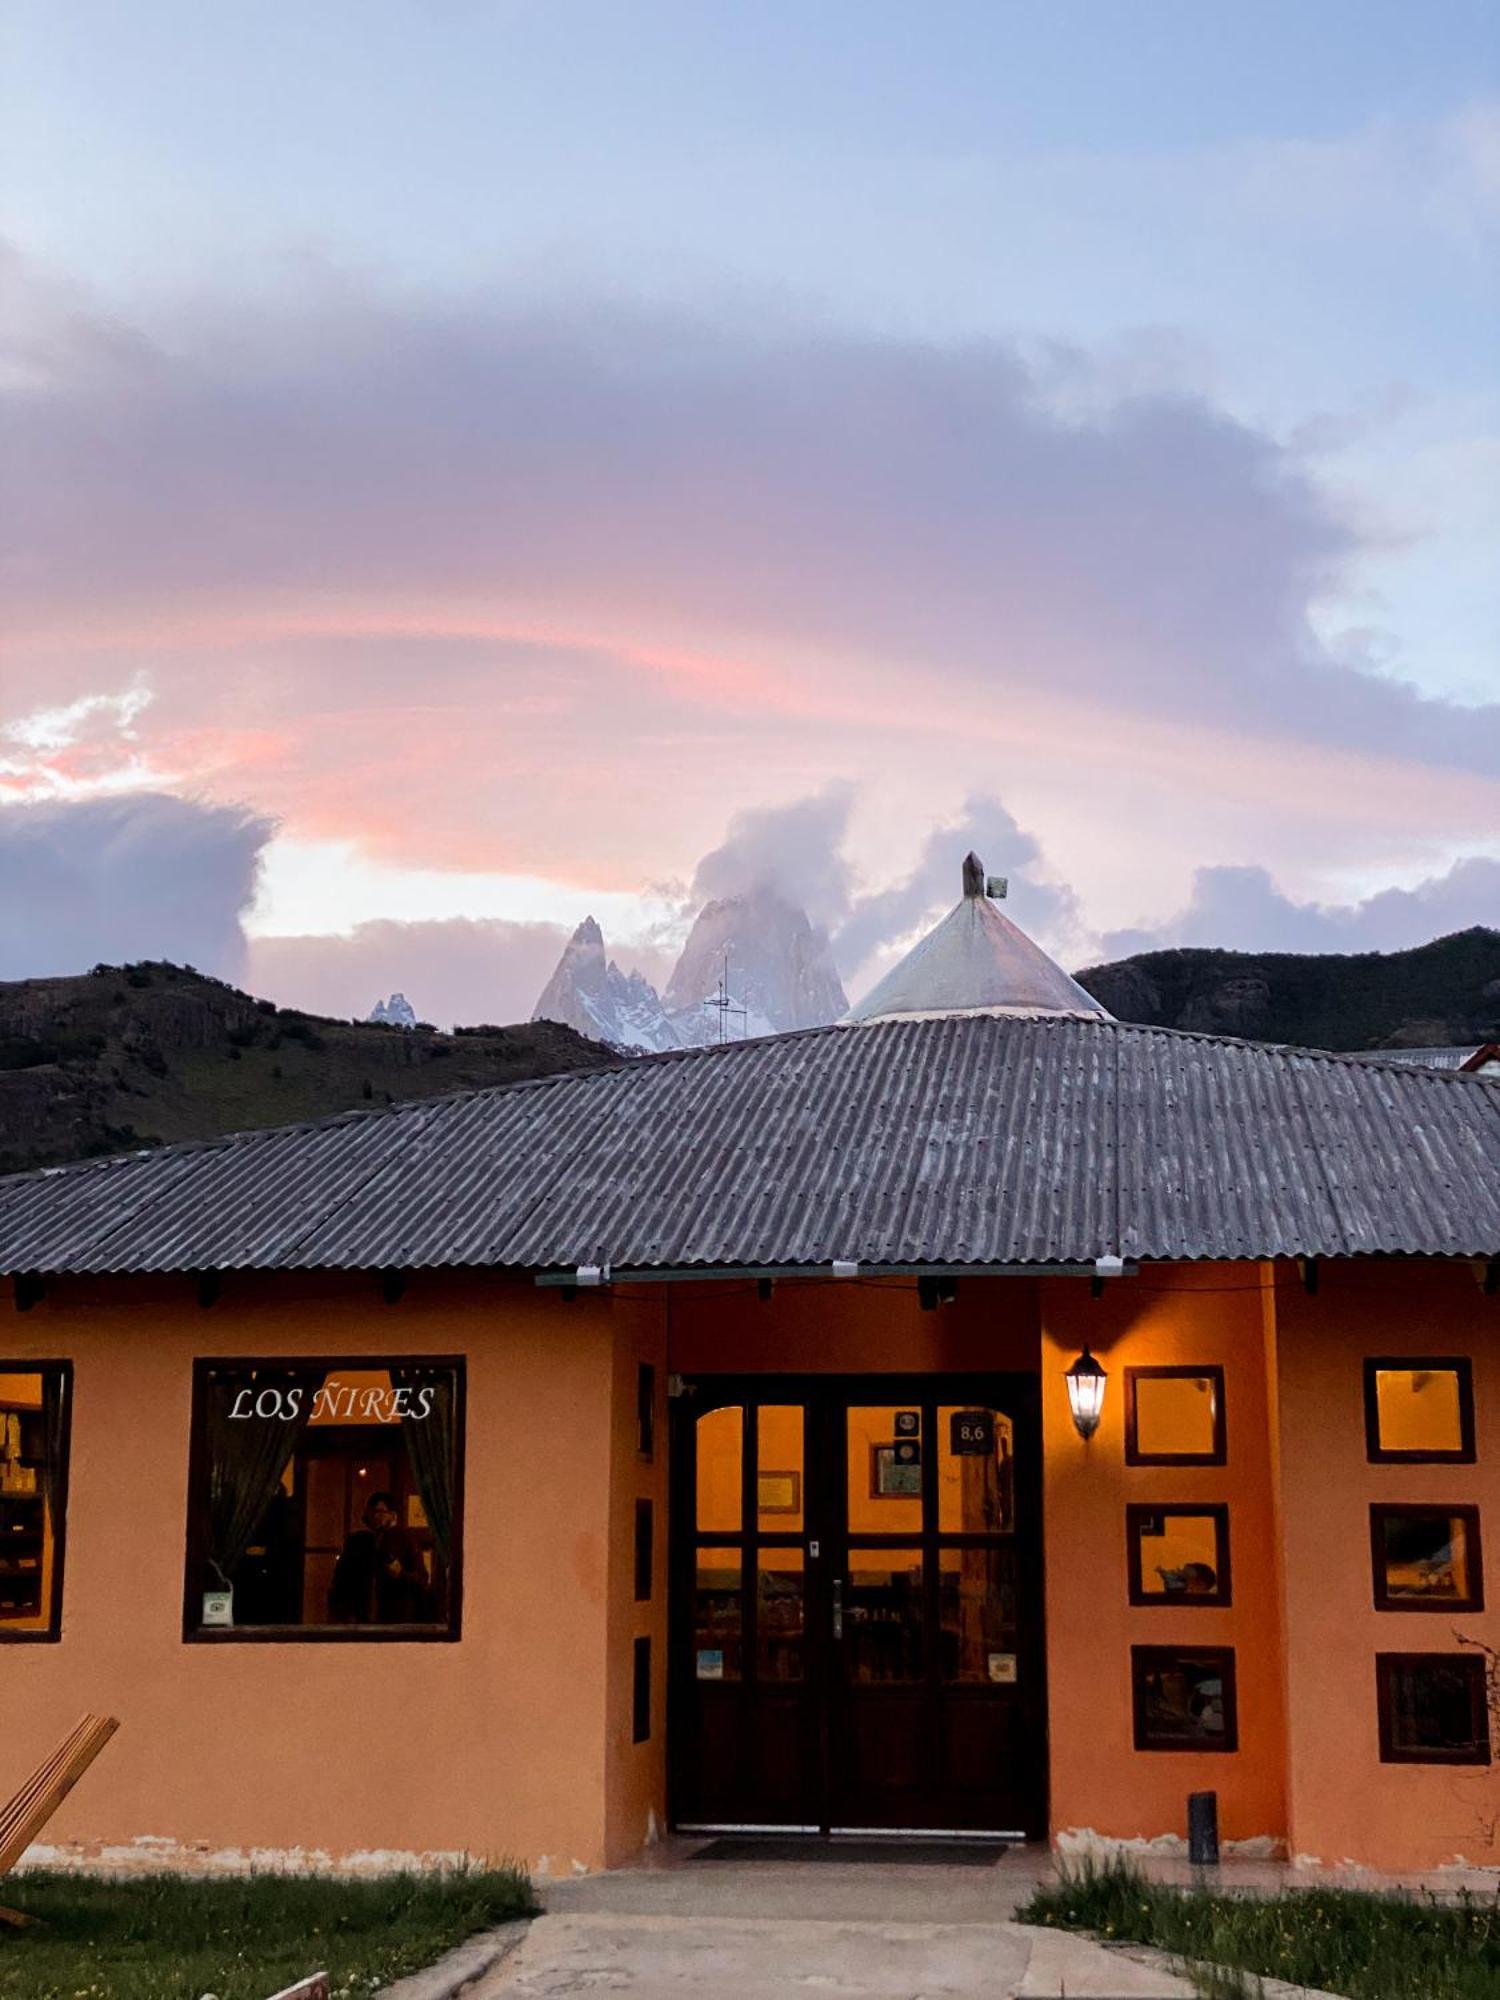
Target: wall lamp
x=1086, y=1380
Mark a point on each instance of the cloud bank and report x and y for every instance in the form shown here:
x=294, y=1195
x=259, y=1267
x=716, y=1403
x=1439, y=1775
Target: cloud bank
x=142, y=875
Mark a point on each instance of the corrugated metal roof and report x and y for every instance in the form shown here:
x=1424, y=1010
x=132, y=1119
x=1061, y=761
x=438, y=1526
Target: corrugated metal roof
x=1426, y=1058
x=968, y=1140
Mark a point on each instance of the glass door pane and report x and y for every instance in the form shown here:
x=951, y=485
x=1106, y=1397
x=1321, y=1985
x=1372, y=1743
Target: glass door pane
x=882, y=1616
x=884, y=1444
x=976, y=1471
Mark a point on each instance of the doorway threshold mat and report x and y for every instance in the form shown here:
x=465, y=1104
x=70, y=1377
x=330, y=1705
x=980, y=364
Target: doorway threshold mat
x=899, y=1853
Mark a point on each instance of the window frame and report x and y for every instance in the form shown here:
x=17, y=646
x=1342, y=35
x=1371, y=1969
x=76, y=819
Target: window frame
x=1382, y=1510
x=195, y=1633
x=51, y=1633
x=1186, y=1372
x=1386, y=1664
x=1459, y=1365
x=644, y=1551
x=1219, y=1599
x=1142, y=1656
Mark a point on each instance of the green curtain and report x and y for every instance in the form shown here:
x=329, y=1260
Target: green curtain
x=246, y=1458
x=430, y=1445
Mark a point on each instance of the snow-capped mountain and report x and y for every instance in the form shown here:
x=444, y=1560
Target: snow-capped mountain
x=779, y=976
x=397, y=1012
x=589, y=992
x=779, y=970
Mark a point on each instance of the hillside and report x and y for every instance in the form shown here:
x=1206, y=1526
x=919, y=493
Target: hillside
x=1438, y=994
x=137, y=1055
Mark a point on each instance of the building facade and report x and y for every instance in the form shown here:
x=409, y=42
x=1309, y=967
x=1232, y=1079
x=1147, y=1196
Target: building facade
x=698, y=1443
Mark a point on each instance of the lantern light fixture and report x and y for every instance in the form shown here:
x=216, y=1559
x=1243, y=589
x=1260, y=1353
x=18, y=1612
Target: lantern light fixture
x=1086, y=1380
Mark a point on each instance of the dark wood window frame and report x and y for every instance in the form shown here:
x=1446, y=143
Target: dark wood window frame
x=645, y=1550
x=640, y=1690
x=1473, y=1666
x=195, y=1633
x=1383, y=1510
x=1136, y=1516
x=1145, y=1656
x=51, y=1633
x=1456, y=1364
x=1209, y=1371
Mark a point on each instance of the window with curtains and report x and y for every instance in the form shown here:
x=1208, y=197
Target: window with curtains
x=326, y=1500
x=35, y=1416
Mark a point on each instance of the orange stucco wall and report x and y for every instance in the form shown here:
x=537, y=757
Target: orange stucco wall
x=1191, y=1315
x=503, y=1743
x=517, y=1739
x=1344, y=1803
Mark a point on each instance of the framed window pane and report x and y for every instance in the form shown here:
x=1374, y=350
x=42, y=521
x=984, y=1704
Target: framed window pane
x=1174, y=1416
x=882, y=1615
x=1432, y=1708
x=976, y=1471
x=778, y=1467
x=1420, y=1411
x=645, y=1550
x=326, y=1500
x=1426, y=1558
x=1184, y=1698
x=35, y=1421
x=977, y=1613
x=640, y=1692
x=1178, y=1554
x=721, y=1470
x=780, y=1614
x=718, y=1615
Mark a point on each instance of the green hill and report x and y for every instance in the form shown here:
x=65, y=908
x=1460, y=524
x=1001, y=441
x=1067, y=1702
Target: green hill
x=1441, y=994
x=140, y=1055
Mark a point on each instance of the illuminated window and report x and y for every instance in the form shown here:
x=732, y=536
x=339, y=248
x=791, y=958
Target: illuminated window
x=1432, y=1708
x=325, y=1499
x=1174, y=1416
x=1178, y=1554
x=1426, y=1558
x=1184, y=1697
x=1420, y=1411
x=35, y=1416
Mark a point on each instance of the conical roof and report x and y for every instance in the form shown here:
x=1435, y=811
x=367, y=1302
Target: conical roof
x=975, y=961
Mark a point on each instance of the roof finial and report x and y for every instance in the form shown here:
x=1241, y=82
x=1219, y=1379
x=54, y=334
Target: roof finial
x=973, y=875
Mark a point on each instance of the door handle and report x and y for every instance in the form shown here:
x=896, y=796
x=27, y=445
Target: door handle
x=838, y=1607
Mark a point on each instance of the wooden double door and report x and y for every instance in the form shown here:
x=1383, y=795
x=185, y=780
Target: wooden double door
x=856, y=1605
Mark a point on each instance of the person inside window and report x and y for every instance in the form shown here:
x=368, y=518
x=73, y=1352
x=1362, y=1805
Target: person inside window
x=379, y=1579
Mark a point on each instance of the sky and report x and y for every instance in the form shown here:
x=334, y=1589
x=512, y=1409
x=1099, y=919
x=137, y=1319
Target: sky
x=469, y=466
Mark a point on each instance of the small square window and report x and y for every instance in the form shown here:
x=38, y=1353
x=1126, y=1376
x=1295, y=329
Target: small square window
x=645, y=1545
x=1174, y=1416
x=645, y=1409
x=1426, y=1558
x=1178, y=1554
x=1420, y=1411
x=1184, y=1698
x=35, y=1418
x=640, y=1692
x=1432, y=1708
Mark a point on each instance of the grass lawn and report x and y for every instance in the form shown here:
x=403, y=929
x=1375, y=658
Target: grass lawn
x=163, y=1937
x=1346, y=1941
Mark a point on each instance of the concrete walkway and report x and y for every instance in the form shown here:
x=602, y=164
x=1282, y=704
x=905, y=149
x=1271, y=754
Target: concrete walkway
x=764, y=1930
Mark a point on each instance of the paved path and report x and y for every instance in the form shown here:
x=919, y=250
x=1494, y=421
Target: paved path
x=823, y=1931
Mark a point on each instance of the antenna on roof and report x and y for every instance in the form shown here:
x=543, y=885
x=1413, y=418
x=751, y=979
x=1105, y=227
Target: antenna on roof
x=724, y=1006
